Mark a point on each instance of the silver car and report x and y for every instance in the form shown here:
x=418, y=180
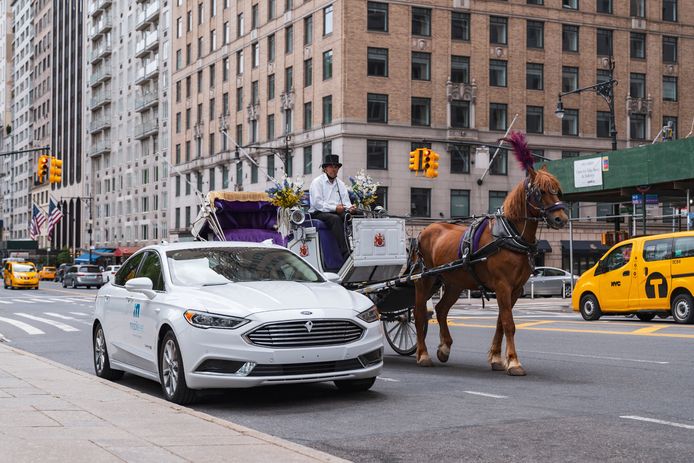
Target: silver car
x=549, y=281
x=83, y=275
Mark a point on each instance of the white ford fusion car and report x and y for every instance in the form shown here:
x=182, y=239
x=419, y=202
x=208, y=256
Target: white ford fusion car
x=219, y=314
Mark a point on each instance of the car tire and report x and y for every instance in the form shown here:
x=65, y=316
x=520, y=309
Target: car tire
x=74, y=284
x=355, y=385
x=645, y=317
x=590, y=308
x=102, y=364
x=64, y=284
x=4, y=283
x=683, y=308
x=171, y=372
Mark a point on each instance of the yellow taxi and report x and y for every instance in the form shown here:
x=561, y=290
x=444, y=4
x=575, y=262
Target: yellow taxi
x=47, y=273
x=20, y=275
x=646, y=276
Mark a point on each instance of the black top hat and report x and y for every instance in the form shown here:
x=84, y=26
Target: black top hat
x=331, y=160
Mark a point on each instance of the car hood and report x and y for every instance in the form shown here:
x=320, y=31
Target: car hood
x=247, y=298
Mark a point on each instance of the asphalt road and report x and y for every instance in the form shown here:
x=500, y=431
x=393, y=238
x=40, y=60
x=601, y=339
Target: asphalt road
x=613, y=390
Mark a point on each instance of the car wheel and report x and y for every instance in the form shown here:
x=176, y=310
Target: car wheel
x=4, y=283
x=74, y=284
x=590, y=309
x=102, y=364
x=645, y=317
x=64, y=284
x=171, y=372
x=355, y=385
x=682, y=309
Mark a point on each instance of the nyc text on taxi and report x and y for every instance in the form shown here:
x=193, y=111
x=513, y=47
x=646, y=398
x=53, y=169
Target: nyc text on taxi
x=216, y=315
x=648, y=276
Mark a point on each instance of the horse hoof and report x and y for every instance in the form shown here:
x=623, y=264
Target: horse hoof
x=425, y=362
x=516, y=371
x=443, y=355
x=498, y=366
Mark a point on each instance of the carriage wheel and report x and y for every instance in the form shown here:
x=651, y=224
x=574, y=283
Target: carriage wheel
x=400, y=331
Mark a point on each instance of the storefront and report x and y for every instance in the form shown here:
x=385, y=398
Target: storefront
x=586, y=254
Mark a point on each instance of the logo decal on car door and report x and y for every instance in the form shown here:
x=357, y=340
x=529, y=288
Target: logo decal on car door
x=654, y=280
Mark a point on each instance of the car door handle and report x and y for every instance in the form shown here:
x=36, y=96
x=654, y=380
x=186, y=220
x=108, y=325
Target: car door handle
x=645, y=271
x=625, y=273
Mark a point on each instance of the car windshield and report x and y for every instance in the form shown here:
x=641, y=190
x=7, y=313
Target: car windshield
x=218, y=266
x=89, y=269
x=24, y=268
x=49, y=269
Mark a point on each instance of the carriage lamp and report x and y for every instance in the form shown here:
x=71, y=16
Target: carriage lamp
x=559, y=112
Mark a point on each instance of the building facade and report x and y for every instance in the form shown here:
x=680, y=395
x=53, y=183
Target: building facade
x=6, y=85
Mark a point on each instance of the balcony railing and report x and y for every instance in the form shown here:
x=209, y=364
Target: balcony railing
x=100, y=99
x=103, y=146
x=98, y=5
x=102, y=51
x=147, y=71
x=147, y=128
x=104, y=24
x=146, y=100
x=100, y=124
x=146, y=15
x=101, y=75
x=149, y=42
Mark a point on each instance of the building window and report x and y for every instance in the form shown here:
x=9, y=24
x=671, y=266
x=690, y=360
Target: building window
x=496, y=200
x=570, y=4
x=637, y=85
x=498, y=30
x=288, y=5
x=226, y=33
x=460, y=159
x=604, y=6
x=638, y=8
x=460, y=203
x=271, y=48
x=421, y=21
x=460, y=114
x=239, y=62
x=460, y=26
x=225, y=69
x=327, y=109
x=603, y=124
x=377, y=17
x=534, y=119
x=669, y=88
x=421, y=66
x=376, y=108
x=288, y=121
x=377, y=154
x=255, y=54
x=327, y=20
x=637, y=125
x=671, y=123
x=381, y=197
x=288, y=79
x=534, y=76
x=535, y=34
x=327, y=148
x=255, y=18
x=308, y=160
x=239, y=174
x=497, y=73
x=271, y=9
x=420, y=202
x=308, y=30
x=669, y=49
x=604, y=42
x=497, y=116
x=421, y=111
x=569, y=124
x=535, y=2
x=271, y=87
x=570, y=154
x=569, y=79
x=377, y=62
x=255, y=93
x=271, y=127
x=239, y=25
x=669, y=10
x=308, y=115
x=225, y=177
x=499, y=165
x=254, y=173
x=569, y=38
x=327, y=65
x=308, y=72
x=638, y=45
x=288, y=39
x=460, y=69
x=239, y=99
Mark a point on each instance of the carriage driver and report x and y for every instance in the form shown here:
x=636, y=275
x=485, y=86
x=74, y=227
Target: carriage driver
x=330, y=200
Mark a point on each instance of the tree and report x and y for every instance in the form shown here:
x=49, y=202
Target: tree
x=64, y=256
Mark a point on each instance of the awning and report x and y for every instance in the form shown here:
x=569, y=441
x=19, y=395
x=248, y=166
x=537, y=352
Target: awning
x=84, y=258
x=125, y=251
x=543, y=246
x=585, y=247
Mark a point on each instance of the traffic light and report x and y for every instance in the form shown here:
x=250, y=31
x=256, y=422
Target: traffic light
x=416, y=160
x=56, y=172
x=42, y=169
x=432, y=164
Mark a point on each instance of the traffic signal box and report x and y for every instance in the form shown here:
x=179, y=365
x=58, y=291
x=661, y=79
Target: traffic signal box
x=424, y=159
x=416, y=160
x=610, y=238
x=56, y=171
x=42, y=169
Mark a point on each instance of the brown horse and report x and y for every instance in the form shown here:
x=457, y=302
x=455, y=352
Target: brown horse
x=505, y=271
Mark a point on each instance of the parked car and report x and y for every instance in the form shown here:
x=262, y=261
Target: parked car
x=60, y=273
x=20, y=275
x=549, y=281
x=83, y=275
x=47, y=273
x=109, y=273
x=227, y=314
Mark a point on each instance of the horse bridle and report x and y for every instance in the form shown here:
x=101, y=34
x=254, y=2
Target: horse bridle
x=533, y=199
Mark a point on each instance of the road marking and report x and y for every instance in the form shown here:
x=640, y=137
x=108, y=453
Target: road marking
x=539, y=322
x=5, y=302
x=22, y=326
x=657, y=362
x=484, y=394
x=22, y=301
x=80, y=313
x=391, y=380
x=59, y=325
x=650, y=329
x=653, y=420
x=63, y=317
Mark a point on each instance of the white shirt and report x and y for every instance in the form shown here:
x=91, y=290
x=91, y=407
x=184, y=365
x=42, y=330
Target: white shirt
x=325, y=196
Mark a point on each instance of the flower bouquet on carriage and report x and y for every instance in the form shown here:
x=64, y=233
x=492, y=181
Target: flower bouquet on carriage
x=286, y=195
x=363, y=190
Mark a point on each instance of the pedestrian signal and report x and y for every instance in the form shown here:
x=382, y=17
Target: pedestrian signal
x=416, y=160
x=56, y=171
x=42, y=169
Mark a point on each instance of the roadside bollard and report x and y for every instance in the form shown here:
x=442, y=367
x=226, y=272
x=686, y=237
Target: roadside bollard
x=563, y=290
x=532, y=290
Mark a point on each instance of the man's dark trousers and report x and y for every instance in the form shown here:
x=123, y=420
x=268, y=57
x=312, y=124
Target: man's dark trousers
x=335, y=223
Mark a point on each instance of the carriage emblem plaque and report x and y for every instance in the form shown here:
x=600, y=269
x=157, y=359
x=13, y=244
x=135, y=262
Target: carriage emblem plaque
x=303, y=250
x=379, y=240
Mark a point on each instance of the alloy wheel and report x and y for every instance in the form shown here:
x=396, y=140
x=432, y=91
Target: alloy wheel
x=170, y=367
x=99, y=350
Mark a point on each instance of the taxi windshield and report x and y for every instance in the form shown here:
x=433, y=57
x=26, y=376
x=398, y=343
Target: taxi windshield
x=219, y=266
x=23, y=268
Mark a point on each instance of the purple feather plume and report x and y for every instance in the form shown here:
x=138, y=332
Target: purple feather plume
x=520, y=150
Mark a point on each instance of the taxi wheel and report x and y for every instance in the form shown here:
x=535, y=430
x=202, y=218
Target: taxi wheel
x=4, y=283
x=355, y=385
x=590, y=309
x=102, y=365
x=683, y=308
x=171, y=373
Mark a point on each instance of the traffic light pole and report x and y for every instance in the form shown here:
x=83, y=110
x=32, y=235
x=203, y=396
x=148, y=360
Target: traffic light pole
x=89, y=200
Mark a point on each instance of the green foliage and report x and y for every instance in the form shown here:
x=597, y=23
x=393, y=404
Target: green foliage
x=64, y=257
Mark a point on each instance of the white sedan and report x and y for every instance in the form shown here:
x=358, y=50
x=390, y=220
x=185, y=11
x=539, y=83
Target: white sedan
x=217, y=315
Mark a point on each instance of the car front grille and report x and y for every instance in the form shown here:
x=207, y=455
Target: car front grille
x=311, y=333
x=299, y=369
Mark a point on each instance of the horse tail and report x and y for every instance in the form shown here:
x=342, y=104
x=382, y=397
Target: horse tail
x=414, y=257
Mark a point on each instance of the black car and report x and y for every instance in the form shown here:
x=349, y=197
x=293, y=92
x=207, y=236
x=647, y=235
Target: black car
x=60, y=273
x=83, y=275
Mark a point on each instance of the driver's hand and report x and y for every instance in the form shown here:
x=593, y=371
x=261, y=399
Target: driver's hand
x=352, y=209
x=340, y=208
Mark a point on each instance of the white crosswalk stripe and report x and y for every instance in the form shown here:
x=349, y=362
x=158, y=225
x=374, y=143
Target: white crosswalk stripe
x=22, y=326
x=57, y=324
x=4, y=302
x=65, y=317
x=80, y=313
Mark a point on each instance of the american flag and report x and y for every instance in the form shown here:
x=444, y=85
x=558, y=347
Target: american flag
x=54, y=216
x=37, y=221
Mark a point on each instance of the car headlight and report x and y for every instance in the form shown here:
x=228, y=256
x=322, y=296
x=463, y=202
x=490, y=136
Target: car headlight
x=208, y=320
x=370, y=315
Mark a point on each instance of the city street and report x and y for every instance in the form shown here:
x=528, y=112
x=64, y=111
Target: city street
x=617, y=389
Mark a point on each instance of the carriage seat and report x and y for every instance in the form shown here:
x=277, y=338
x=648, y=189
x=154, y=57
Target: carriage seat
x=330, y=251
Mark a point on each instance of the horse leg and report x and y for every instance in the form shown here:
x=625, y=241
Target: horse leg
x=494, y=356
x=422, y=290
x=506, y=301
x=450, y=295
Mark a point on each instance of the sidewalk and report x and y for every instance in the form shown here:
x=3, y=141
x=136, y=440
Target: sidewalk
x=53, y=413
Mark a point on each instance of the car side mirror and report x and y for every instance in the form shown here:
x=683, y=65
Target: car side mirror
x=141, y=285
x=332, y=277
